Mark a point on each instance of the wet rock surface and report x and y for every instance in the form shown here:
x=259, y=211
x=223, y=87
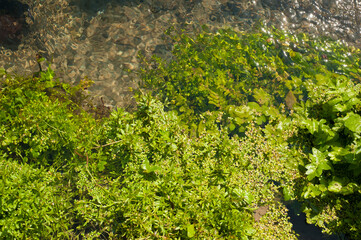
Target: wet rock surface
x=101, y=39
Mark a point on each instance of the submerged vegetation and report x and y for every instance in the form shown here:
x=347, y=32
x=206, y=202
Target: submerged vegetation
x=233, y=127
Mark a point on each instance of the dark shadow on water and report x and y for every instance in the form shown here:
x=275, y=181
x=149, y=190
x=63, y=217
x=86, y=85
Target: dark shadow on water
x=303, y=229
x=13, y=25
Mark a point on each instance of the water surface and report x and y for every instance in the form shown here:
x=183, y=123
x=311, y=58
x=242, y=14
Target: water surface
x=101, y=39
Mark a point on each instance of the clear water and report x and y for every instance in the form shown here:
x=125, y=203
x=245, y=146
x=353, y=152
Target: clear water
x=100, y=39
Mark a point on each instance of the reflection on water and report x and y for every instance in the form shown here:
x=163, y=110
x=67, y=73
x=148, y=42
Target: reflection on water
x=101, y=38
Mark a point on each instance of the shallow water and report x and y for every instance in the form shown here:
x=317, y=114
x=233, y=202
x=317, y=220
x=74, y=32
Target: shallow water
x=101, y=39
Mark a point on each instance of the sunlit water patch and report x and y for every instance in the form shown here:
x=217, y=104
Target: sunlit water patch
x=101, y=39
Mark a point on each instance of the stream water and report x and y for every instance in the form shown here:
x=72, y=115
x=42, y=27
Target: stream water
x=101, y=39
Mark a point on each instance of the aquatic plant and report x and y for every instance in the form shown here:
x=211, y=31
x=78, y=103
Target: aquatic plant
x=329, y=125
x=131, y=175
x=235, y=118
x=242, y=76
x=233, y=79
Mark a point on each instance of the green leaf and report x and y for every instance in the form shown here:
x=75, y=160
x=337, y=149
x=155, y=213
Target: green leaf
x=324, y=133
x=310, y=124
x=101, y=165
x=201, y=127
x=321, y=79
x=261, y=96
x=41, y=60
x=340, y=107
x=148, y=168
x=231, y=127
x=254, y=105
x=261, y=119
x=190, y=231
x=244, y=195
x=334, y=186
x=311, y=191
x=318, y=164
x=182, y=109
x=287, y=193
x=2, y=71
x=353, y=122
x=337, y=153
x=350, y=188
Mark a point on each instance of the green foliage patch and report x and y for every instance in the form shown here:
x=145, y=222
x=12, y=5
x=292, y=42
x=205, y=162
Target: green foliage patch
x=163, y=184
x=240, y=121
x=285, y=84
x=33, y=203
x=42, y=124
x=132, y=175
x=329, y=123
x=246, y=76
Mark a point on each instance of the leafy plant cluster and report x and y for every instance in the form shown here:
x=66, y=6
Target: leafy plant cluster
x=245, y=76
x=330, y=127
x=34, y=203
x=165, y=184
x=67, y=175
x=238, y=120
x=286, y=84
x=43, y=133
x=39, y=124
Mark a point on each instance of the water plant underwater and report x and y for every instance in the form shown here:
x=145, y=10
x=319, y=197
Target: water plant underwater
x=232, y=121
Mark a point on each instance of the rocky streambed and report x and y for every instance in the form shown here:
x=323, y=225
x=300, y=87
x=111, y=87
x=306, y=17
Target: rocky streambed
x=101, y=39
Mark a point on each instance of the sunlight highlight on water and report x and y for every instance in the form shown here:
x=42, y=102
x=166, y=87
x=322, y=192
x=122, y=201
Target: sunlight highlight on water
x=101, y=39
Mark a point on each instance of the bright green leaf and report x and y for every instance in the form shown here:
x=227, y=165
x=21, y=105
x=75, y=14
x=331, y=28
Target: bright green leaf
x=318, y=164
x=353, y=122
x=335, y=186
x=190, y=230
